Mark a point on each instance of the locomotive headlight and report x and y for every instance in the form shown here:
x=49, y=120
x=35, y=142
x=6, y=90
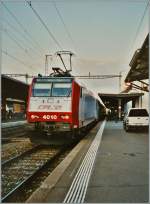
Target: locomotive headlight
x=64, y=116
x=32, y=116
x=67, y=117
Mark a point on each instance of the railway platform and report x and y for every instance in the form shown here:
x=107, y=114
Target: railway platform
x=118, y=173
x=13, y=124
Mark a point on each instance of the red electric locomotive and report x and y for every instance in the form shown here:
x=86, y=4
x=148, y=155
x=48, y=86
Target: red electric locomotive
x=60, y=107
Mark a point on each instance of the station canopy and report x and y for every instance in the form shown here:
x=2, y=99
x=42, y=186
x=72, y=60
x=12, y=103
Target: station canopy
x=13, y=88
x=125, y=97
x=139, y=63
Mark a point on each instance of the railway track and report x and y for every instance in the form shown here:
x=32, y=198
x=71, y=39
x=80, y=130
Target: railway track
x=23, y=173
x=13, y=139
x=8, y=133
x=20, y=130
x=15, y=147
x=19, y=171
x=17, y=157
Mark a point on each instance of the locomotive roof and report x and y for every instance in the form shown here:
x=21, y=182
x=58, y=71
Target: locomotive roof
x=52, y=79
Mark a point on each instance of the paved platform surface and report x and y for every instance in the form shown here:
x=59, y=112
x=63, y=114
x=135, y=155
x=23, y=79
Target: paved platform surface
x=121, y=167
x=120, y=173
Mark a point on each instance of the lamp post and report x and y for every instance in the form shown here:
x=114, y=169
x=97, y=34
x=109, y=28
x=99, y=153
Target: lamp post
x=119, y=108
x=120, y=76
x=119, y=100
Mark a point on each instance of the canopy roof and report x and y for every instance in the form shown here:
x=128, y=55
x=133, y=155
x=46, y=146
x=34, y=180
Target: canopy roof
x=124, y=96
x=139, y=63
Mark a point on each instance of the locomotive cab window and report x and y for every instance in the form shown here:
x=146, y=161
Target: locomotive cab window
x=61, y=89
x=42, y=89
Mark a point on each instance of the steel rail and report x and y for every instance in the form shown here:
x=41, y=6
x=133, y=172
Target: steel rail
x=15, y=158
x=10, y=139
x=15, y=131
x=30, y=177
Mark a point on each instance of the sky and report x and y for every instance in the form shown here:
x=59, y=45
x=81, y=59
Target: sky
x=103, y=34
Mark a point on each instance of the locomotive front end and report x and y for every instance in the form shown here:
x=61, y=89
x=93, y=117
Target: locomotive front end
x=50, y=104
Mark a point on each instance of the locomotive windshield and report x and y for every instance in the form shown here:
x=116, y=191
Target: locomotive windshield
x=52, y=89
x=42, y=89
x=61, y=89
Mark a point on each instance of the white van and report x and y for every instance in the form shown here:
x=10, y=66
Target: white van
x=136, y=118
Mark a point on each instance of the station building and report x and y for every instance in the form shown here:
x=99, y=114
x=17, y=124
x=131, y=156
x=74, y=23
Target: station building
x=14, y=98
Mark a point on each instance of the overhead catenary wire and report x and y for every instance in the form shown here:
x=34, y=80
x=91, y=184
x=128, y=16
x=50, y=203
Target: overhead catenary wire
x=21, y=34
x=44, y=25
x=108, y=76
x=19, y=45
x=22, y=26
x=64, y=24
x=16, y=59
x=140, y=24
x=81, y=1
x=16, y=41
